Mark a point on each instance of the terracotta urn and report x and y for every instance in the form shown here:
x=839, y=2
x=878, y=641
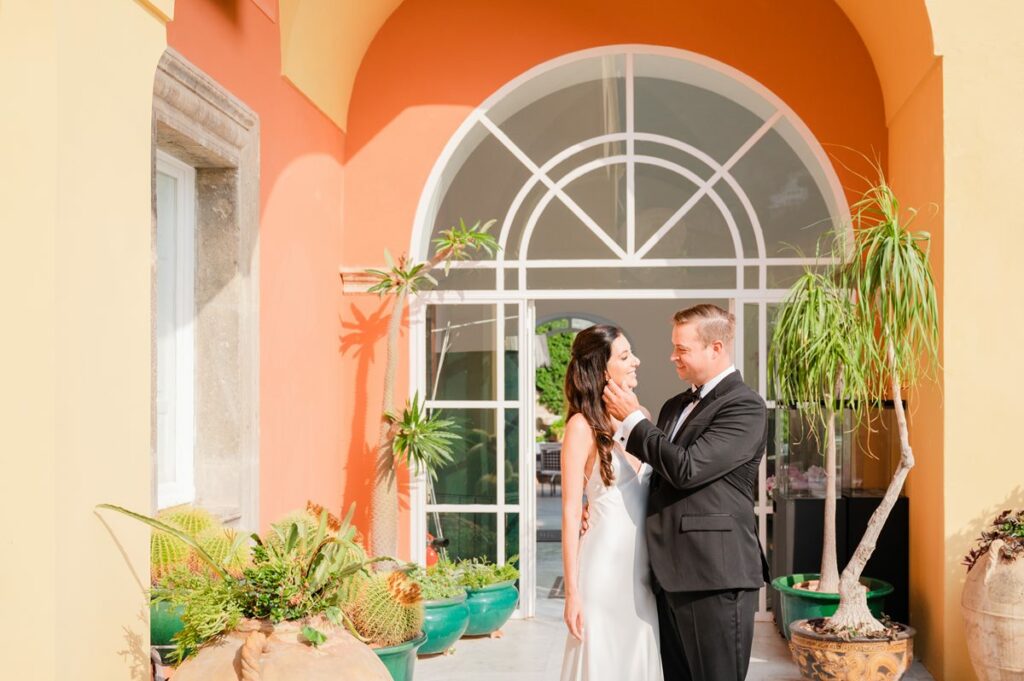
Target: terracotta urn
x=260, y=651
x=993, y=609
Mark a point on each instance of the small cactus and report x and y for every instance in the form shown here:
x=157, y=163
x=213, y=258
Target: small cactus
x=388, y=609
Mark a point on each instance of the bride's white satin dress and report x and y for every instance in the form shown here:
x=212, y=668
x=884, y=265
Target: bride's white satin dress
x=620, y=616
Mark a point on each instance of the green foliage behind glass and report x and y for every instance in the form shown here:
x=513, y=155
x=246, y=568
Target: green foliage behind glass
x=551, y=378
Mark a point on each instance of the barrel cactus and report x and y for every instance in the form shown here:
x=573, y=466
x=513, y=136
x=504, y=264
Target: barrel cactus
x=224, y=546
x=191, y=520
x=166, y=553
x=388, y=609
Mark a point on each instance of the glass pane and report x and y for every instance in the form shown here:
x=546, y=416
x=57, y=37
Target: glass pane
x=472, y=477
x=565, y=106
x=789, y=204
x=474, y=191
x=601, y=193
x=702, y=232
x=561, y=234
x=784, y=276
x=751, y=277
x=511, y=456
x=702, y=111
x=460, y=351
x=751, y=354
x=659, y=194
x=632, y=278
x=469, y=535
x=511, y=536
x=482, y=279
x=511, y=352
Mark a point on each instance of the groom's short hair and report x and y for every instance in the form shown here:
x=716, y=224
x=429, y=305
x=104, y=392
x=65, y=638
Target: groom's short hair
x=713, y=323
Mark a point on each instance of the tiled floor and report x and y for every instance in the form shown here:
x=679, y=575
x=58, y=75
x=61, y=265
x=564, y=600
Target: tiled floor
x=531, y=650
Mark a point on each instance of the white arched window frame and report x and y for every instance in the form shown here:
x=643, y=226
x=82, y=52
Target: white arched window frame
x=511, y=292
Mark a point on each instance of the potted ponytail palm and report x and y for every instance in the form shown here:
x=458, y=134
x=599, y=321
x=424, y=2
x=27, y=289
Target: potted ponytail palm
x=890, y=327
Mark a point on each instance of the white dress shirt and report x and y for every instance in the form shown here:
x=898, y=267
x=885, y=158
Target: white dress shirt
x=624, y=431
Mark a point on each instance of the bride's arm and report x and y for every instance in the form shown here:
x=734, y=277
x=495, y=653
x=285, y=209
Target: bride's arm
x=577, y=446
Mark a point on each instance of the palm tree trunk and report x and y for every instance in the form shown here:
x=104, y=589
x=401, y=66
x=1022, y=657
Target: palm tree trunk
x=853, y=604
x=829, y=582
x=384, y=501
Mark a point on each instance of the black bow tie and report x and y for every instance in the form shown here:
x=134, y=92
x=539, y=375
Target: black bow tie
x=692, y=395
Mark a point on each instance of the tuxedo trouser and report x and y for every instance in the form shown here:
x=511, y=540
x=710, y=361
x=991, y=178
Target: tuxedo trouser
x=706, y=635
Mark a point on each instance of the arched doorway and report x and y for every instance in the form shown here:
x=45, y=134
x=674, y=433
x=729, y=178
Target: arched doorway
x=635, y=177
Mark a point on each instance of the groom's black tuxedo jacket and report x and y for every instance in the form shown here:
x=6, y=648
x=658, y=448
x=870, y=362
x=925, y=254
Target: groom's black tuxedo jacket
x=701, y=528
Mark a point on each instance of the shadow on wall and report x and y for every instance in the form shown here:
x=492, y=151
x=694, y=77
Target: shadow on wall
x=361, y=334
x=959, y=543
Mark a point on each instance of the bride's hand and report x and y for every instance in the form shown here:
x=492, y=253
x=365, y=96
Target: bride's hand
x=573, y=616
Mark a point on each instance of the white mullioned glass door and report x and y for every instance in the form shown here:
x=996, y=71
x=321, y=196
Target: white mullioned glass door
x=472, y=367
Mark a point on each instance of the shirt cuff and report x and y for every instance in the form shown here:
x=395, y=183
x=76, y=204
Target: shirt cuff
x=624, y=431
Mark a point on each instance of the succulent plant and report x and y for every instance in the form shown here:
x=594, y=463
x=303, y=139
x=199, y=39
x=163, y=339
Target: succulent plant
x=388, y=609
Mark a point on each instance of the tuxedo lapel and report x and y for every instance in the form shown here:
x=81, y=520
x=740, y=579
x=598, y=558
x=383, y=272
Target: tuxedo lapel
x=723, y=387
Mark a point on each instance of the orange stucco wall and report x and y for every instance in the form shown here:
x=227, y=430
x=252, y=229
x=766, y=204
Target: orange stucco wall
x=302, y=440
x=433, y=61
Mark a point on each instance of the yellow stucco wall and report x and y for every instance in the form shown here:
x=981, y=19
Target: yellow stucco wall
x=75, y=119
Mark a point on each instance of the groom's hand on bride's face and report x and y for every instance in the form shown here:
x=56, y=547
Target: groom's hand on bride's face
x=619, y=401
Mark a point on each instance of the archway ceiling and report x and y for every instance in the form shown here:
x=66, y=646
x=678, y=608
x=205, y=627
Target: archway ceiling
x=323, y=43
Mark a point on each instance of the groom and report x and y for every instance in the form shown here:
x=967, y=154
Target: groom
x=701, y=530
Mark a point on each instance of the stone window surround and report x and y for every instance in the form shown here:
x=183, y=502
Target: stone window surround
x=198, y=121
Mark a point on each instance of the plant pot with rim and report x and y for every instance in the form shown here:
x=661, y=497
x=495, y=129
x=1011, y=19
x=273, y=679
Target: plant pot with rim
x=445, y=613
x=828, y=657
x=491, y=594
x=400, y=659
x=801, y=603
x=992, y=601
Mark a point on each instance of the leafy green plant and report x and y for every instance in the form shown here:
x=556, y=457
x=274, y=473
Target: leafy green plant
x=476, y=573
x=399, y=281
x=438, y=582
x=301, y=568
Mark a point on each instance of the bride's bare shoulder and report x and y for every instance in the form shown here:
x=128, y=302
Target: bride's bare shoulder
x=577, y=426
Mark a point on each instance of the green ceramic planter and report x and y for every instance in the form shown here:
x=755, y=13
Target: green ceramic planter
x=401, y=659
x=164, y=623
x=444, y=623
x=798, y=604
x=490, y=607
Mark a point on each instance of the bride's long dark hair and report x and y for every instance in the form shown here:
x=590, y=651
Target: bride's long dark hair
x=584, y=386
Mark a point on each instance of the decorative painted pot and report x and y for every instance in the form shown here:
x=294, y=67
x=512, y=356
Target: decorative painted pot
x=401, y=659
x=830, y=658
x=444, y=623
x=260, y=651
x=490, y=607
x=800, y=604
x=164, y=623
x=992, y=604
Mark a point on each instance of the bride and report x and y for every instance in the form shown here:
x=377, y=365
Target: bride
x=610, y=609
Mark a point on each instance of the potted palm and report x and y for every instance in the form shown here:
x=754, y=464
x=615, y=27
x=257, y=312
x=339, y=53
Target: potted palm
x=400, y=281
x=816, y=366
x=892, y=291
